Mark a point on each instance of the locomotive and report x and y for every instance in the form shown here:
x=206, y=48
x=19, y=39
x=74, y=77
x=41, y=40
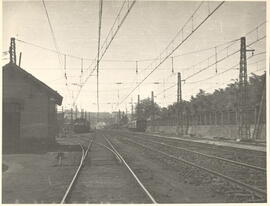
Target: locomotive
x=81, y=126
x=138, y=125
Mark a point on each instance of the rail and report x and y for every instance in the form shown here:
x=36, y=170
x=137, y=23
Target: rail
x=210, y=156
x=115, y=154
x=199, y=142
x=69, y=189
x=258, y=191
x=131, y=171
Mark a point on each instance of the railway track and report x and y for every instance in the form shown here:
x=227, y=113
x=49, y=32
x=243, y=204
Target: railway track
x=250, y=157
x=110, y=147
x=151, y=198
x=236, y=173
x=70, y=187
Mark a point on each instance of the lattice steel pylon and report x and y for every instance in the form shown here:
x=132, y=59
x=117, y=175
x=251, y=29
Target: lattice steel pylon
x=12, y=51
x=244, y=126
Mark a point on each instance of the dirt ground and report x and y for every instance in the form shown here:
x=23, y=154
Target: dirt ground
x=37, y=178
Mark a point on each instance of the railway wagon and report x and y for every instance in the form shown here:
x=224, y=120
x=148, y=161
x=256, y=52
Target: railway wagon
x=137, y=125
x=81, y=126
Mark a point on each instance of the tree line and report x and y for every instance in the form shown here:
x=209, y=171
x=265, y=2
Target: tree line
x=220, y=100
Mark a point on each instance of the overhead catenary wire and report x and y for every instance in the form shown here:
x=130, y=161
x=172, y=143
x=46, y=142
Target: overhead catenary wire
x=108, y=44
x=177, y=34
x=170, y=53
x=52, y=50
x=226, y=48
x=214, y=56
x=215, y=75
x=188, y=53
x=108, y=41
x=136, y=59
x=174, y=56
x=216, y=83
x=52, y=32
x=209, y=66
x=203, y=69
x=226, y=83
x=231, y=68
x=111, y=69
x=55, y=42
x=115, y=60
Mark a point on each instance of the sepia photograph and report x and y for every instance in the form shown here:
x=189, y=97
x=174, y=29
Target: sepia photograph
x=134, y=102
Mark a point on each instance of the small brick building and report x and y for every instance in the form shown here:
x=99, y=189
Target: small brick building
x=29, y=109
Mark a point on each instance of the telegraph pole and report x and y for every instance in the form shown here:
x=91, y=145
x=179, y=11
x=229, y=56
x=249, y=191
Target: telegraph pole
x=244, y=126
x=82, y=113
x=118, y=94
x=76, y=111
x=99, y=34
x=89, y=118
x=119, y=116
x=138, y=108
x=179, y=105
x=131, y=109
x=71, y=116
x=153, y=114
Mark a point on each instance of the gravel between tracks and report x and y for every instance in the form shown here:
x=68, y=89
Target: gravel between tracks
x=164, y=181
x=256, y=158
x=198, y=178
x=243, y=174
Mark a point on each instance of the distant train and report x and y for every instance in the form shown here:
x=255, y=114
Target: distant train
x=137, y=125
x=81, y=125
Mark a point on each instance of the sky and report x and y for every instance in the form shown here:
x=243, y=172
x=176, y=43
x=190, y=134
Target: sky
x=145, y=33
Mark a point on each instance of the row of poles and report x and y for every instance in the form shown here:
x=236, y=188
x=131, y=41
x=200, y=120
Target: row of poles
x=75, y=114
x=243, y=123
x=244, y=126
x=179, y=108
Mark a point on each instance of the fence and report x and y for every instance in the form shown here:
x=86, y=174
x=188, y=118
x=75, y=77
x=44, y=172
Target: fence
x=225, y=117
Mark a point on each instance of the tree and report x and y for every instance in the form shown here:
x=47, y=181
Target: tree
x=123, y=119
x=145, y=109
x=221, y=99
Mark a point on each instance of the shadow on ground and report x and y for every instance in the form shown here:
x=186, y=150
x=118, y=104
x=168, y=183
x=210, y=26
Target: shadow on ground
x=39, y=148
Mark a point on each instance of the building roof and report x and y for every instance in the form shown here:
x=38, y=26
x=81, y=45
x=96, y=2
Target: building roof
x=51, y=92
